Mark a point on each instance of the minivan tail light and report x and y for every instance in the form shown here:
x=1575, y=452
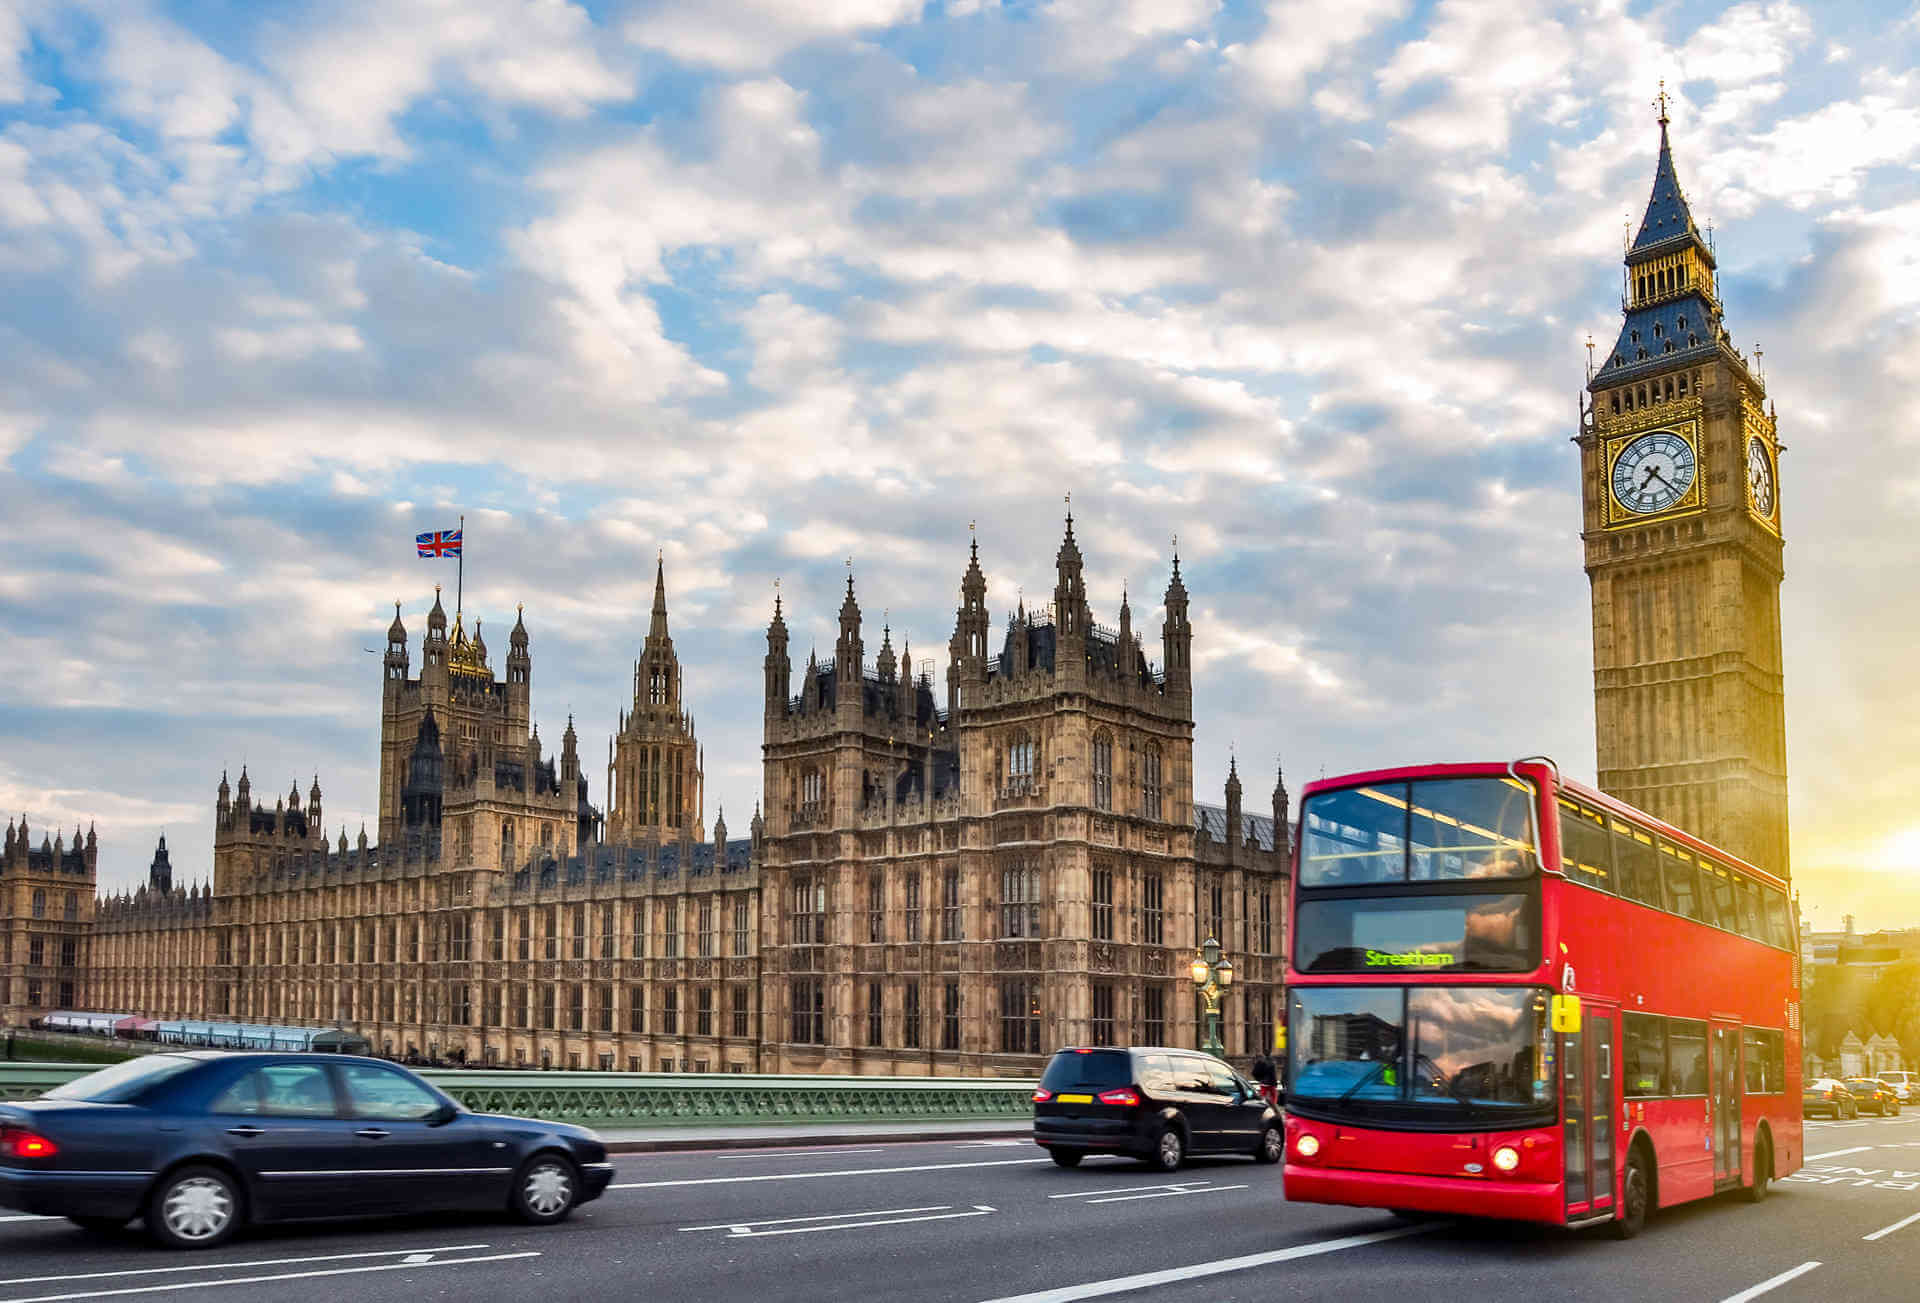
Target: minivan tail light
x=1123, y=1096
x=1042, y=1096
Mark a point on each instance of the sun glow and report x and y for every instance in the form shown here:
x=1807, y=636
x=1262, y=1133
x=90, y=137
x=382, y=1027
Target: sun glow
x=1900, y=851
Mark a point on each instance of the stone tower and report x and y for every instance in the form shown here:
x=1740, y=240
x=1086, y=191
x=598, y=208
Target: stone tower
x=1679, y=476
x=654, y=777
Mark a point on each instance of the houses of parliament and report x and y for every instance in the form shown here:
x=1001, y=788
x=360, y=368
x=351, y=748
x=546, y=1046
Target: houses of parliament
x=935, y=882
x=933, y=887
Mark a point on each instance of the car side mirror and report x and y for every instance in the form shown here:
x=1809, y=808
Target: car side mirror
x=442, y=1115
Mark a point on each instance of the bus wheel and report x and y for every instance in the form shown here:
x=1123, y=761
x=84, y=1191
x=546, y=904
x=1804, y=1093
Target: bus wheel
x=1762, y=1172
x=1634, y=1198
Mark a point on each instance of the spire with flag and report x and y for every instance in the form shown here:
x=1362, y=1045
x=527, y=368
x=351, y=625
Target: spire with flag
x=437, y=543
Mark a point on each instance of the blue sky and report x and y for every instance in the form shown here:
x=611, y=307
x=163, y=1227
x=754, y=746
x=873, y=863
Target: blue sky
x=771, y=285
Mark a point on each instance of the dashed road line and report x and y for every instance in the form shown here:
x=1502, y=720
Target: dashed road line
x=1836, y=1153
x=261, y=1280
x=228, y=1266
x=1885, y=1231
x=852, y=1222
x=1220, y=1266
x=1771, y=1283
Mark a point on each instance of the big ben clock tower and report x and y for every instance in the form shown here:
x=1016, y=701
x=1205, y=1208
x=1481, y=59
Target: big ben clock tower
x=1679, y=475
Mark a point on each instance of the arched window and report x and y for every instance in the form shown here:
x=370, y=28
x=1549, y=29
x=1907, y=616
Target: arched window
x=1150, y=781
x=1020, y=754
x=506, y=843
x=813, y=791
x=39, y=903
x=1102, y=770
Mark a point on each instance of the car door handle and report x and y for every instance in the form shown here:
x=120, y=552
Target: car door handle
x=246, y=1133
x=372, y=1133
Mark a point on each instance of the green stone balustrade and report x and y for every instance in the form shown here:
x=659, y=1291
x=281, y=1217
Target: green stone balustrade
x=655, y=1099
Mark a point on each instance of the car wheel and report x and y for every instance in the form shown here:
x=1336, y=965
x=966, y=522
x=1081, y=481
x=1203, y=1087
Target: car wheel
x=1634, y=1198
x=1762, y=1173
x=195, y=1208
x=1066, y=1157
x=546, y=1189
x=99, y=1225
x=1272, y=1146
x=1169, y=1149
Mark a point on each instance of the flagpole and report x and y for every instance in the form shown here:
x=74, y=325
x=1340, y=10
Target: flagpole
x=460, y=573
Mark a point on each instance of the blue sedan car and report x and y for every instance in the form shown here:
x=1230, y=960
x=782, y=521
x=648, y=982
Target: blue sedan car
x=200, y=1144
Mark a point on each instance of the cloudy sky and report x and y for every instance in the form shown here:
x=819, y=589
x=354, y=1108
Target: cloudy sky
x=772, y=284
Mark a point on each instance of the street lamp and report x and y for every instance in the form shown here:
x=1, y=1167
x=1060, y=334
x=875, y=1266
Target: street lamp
x=1212, y=975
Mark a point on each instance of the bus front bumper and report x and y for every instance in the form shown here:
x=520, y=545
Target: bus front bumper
x=1520, y=1201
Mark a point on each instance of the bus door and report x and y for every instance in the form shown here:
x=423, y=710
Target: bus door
x=1724, y=1072
x=1588, y=1088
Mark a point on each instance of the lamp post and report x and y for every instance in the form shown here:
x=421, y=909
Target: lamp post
x=1212, y=975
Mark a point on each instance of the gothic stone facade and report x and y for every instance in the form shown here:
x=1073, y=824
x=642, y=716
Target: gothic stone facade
x=949, y=890
x=1680, y=456
x=962, y=889
x=46, y=918
x=491, y=923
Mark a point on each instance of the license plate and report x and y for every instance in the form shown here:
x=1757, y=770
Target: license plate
x=1074, y=1099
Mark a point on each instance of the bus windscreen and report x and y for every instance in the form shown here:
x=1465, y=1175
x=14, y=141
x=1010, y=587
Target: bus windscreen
x=1434, y=830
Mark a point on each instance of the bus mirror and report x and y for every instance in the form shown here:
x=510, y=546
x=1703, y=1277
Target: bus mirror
x=1564, y=1013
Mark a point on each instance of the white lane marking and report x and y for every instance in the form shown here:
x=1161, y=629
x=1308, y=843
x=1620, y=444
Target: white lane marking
x=1836, y=1153
x=1772, y=1282
x=1885, y=1231
x=258, y=1280
x=1167, y=1194
x=415, y=1259
x=979, y=1210
x=29, y=1217
x=222, y=1266
x=819, y=1217
x=807, y=1176
x=1220, y=1266
x=991, y=1144
x=798, y=1153
x=1125, y=1189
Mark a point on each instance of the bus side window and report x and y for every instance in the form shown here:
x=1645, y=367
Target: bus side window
x=1635, y=865
x=1776, y=1062
x=1586, y=852
x=1687, y=1056
x=1752, y=924
x=1778, y=931
x=1676, y=867
x=1646, y=1046
x=1755, y=1048
x=1719, y=885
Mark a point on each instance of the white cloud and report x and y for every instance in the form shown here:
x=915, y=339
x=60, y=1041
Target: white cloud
x=755, y=33
x=1301, y=37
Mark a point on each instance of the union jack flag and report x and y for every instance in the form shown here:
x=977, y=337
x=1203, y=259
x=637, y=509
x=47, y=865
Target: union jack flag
x=438, y=542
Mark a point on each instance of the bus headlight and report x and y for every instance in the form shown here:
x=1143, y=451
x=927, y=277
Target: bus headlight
x=1306, y=1146
x=1506, y=1158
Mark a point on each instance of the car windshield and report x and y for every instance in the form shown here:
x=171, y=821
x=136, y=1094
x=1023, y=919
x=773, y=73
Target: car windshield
x=123, y=1081
x=1432, y=831
x=1097, y=1068
x=1456, y=1056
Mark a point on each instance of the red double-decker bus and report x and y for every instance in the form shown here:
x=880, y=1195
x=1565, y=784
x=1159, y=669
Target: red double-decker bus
x=1512, y=996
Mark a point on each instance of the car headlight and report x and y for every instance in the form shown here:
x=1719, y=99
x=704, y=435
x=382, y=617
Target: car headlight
x=1506, y=1158
x=1306, y=1146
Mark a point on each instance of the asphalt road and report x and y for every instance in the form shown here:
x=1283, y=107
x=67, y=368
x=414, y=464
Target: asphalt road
x=974, y=1221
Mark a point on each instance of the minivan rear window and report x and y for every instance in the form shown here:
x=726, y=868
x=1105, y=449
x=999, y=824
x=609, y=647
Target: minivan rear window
x=1101, y=1068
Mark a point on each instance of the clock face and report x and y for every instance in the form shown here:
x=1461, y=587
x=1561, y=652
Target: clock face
x=1760, y=478
x=1653, y=473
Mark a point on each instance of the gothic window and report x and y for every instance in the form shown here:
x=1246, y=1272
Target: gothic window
x=813, y=791
x=709, y=934
x=1019, y=1016
x=875, y=1013
x=809, y=1011
x=670, y=930
x=550, y=925
x=809, y=911
x=740, y=1023
x=1019, y=901
x=608, y=945
x=506, y=843
x=1102, y=771
x=950, y=1016
x=911, y=911
x=1102, y=1027
x=39, y=903
x=740, y=924
x=1154, y=1015
x=579, y=947
x=637, y=1010
x=1150, y=781
x=670, y=1011
x=1216, y=917
x=1152, y=909
x=1020, y=763
x=876, y=908
x=910, y=1016
x=950, y=921
x=639, y=931
x=71, y=906
x=703, y=1011
x=1263, y=938
x=1103, y=904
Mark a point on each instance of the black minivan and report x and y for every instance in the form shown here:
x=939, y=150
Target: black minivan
x=1153, y=1103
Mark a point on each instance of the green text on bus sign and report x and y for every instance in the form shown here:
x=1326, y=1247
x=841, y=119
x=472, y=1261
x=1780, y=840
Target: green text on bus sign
x=1408, y=959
